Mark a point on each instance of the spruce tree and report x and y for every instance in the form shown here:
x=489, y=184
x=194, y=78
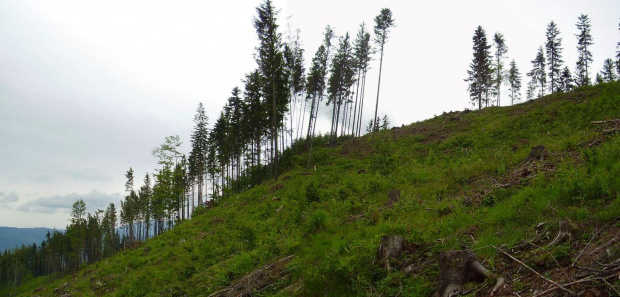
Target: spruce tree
x=383, y=23
x=618, y=54
x=294, y=57
x=514, y=82
x=480, y=73
x=531, y=90
x=144, y=196
x=608, y=74
x=340, y=82
x=362, y=50
x=255, y=120
x=554, y=56
x=566, y=80
x=270, y=60
x=538, y=74
x=500, y=50
x=599, y=79
x=315, y=84
x=110, y=244
x=584, y=40
x=198, y=154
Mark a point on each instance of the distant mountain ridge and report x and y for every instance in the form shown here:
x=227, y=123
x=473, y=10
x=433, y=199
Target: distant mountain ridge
x=11, y=237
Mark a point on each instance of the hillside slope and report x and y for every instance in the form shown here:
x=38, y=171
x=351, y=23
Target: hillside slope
x=465, y=181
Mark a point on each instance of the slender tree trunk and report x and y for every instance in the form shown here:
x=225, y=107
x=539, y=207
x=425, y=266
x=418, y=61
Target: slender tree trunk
x=313, y=130
x=332, y=132
x=311, y=120
x=339, y=103
x=374, y=120
x=351, y=114
x=357, y=95
x=343, y=120
x=193, y=192
x=303, y=118
x=362, y=96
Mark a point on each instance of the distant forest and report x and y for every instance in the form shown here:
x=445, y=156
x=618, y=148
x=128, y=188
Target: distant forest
x=263, y=126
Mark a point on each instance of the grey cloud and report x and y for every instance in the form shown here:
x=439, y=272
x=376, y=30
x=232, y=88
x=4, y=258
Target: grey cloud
x=42, y=179
x=91, y=174
x=94, y=199
x=6, y=200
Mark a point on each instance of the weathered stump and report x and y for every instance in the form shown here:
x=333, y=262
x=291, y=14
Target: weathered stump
x=392, y=247
x=565, y=232
x=538, y=153
x=393, y=197
x=458, y=268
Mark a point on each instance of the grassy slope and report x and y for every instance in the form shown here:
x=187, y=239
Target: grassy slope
x=447, y=169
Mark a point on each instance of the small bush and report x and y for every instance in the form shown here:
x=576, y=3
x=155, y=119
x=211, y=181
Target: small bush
x=312, y=192
x=318, y=221
x=200, y=209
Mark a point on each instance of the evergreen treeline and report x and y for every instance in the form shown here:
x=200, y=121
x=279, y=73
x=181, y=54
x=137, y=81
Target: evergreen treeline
x=487, y=73
x=87, y=239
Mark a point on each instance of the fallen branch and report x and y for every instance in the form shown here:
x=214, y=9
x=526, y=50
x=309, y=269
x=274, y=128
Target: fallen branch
x=256, y=281
x=611, y=287
x=584, y=280
x=587, y=245
x=615, y=121
x=554, y=259
x=536, y=272
x=615, y=239
x=220, y=292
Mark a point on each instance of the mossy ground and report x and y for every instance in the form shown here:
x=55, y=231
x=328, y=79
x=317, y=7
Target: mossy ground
x=458, y=190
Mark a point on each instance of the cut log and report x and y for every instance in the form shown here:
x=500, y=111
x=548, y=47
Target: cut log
x=458, y=268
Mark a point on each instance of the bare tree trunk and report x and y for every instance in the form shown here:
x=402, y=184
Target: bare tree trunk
x=362, y=95
x=357, y=95
x=313, y=130
x=374, y=120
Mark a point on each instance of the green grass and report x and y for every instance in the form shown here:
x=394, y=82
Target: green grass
x=332, y=220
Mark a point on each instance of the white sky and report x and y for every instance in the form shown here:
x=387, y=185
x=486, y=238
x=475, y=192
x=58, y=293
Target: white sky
x=89, y=88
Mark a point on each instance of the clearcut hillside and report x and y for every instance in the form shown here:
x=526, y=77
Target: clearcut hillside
x=464, y=180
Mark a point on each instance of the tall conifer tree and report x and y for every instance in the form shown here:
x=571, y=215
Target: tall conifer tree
x=480, y=73
x=270, y=60
x=340, y=81
x=554, y=56
x=608, y=73
x=315, y=83
x=514, y=82
x=361, y=52
x=566, y=80
x=383, y=23
x=584, y=41
x=198, y=154
x=538, y=74
x=500, y=50
x=618, y=54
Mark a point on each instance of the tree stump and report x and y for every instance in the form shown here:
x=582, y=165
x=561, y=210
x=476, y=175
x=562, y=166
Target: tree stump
x=564, y=232
x=538, y=153
x=392, y=247
x=393, y=197
x=458, y=268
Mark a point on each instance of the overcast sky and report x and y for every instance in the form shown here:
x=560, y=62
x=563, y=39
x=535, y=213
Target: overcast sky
x=89, y=88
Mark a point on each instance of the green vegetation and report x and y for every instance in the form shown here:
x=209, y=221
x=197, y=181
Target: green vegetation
x=461, y=186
